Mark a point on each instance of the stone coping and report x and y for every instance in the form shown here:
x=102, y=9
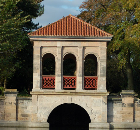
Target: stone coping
x=10, y=90
x=98, y=125
x=127, y=92
x=24, y=98
x=115, y=99
x=125, y=125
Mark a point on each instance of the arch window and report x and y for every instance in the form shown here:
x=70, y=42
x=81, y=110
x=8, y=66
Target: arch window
x=48, y=71
x=90, y=72
x=69, y=72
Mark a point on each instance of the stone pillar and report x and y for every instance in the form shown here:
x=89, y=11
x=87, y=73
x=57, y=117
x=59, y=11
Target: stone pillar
x=127, y=105
x=80, y=77
x=59, y=70
x=34, y=108
x=37, y=76
x=104, y=108
x=102, y=70
x=10, y=104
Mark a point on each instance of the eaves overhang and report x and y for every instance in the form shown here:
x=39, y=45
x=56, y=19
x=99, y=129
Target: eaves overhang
x=69, y=38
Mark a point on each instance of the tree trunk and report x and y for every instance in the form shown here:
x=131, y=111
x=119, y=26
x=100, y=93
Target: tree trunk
x=5, y=83
x=0, y=84
x=129, y=72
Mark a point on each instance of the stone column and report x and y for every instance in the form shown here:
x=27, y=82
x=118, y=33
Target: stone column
x=10, y=104
x=34, y=108
x=37, y=77
x=80, y=66
x=104, y=108
x=59, y=70
x=102, y=70
x=127, y=105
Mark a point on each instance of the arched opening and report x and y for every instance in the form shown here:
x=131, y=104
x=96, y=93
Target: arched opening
x=90, y=72
x=69, y=117
x=69, y=72
x=48, y=71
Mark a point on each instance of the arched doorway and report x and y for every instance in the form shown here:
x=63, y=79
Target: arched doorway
x=90, y=72
x=48, y=71
x=69, y=71
x=69, y=117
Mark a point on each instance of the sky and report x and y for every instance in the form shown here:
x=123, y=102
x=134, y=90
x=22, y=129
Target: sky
x=56, y=9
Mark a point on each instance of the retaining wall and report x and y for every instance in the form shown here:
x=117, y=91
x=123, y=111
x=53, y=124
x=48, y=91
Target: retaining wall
x=122, y=110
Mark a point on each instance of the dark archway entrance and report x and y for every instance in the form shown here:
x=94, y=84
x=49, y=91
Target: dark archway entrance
x=69, y=117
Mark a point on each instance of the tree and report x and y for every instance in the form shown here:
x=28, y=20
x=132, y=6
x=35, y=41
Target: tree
x=15, y=22
x=122, y=19
x=115, y=76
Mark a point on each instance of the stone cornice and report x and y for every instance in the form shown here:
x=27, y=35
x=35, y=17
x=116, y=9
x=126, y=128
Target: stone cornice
x=70, y=38
x=71, y=93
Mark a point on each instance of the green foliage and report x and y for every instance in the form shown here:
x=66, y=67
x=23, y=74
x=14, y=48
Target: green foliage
x=24, y=93
x=136, y=74
x=2, y=91
x=122, y=19
x=116, y=78
x=23, y=76
x=15, y=22
x=31, y=8
x=11, y=36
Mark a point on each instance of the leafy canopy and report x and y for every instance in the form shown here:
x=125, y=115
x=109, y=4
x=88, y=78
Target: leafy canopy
x=119, y=17
x=15, y=22
x=122, y=19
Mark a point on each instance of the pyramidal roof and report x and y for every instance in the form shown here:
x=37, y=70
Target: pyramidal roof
x=70, y=26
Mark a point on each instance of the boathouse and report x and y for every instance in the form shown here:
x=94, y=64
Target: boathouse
x=70, y=42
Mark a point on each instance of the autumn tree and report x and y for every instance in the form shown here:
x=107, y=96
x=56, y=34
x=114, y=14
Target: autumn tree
x=122, y=19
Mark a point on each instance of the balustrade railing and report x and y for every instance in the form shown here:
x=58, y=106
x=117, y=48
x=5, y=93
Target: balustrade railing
x=90, y=82
x=48, y=81
x=69, y=82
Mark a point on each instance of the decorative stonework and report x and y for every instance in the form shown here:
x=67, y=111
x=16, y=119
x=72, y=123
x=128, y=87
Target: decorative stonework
x=70, y=50
x=46, y=50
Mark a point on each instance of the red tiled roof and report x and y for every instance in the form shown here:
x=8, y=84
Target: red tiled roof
x=70, y=26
